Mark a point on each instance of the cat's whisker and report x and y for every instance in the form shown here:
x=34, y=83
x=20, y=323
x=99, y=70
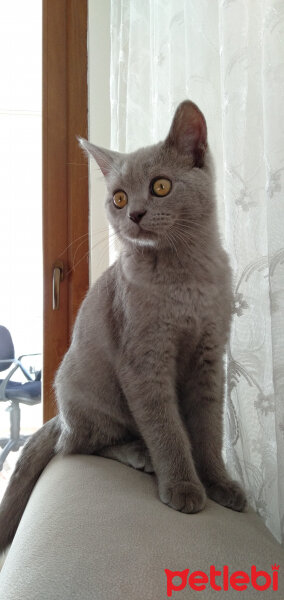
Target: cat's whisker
x=189, y=233
x=172, y=243
x=188, y=237
x=181, y=238
x=168, y=239
x=185, y=229
x=192, y=226
x=74, y=266
x=192, y=231
x=77, y=249
x=73, y=242
x=110, y=246
x=204, y=228
x=189, y=223
x=97, y=232
x=193, y=241
x=104, y=230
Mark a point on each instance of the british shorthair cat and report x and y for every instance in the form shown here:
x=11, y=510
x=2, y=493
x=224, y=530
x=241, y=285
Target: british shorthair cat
x=143, y=380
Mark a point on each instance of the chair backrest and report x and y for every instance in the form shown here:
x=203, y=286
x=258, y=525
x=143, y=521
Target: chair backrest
x=6, y=347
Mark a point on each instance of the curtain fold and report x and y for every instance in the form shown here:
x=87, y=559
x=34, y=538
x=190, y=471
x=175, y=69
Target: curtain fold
x=228, y=57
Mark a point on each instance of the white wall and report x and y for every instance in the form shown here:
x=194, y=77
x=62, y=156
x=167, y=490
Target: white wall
x=21, y=173
x=99, y=127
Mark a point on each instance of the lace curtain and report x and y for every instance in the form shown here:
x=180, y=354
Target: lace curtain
x=228, y=57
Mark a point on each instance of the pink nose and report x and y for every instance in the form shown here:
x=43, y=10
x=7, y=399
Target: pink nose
x=137, y=216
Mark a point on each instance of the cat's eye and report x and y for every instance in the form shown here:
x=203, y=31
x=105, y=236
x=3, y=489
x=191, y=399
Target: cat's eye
x=160, y=186
x=120, y=199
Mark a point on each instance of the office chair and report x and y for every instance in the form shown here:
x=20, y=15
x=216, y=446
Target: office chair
x=15, y=392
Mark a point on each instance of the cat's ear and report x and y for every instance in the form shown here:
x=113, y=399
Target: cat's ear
x=188, y=132
x=106, y=159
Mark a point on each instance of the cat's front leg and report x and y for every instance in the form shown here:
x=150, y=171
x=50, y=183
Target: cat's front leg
x=203, y=408
x=150, y=392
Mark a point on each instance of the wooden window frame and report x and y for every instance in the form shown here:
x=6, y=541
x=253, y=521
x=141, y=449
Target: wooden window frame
x=65, y=178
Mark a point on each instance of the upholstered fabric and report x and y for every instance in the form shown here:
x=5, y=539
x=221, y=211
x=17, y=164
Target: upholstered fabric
x=95, y=530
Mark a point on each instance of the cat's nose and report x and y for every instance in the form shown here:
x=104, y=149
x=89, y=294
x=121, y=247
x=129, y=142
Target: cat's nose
x=137, y=216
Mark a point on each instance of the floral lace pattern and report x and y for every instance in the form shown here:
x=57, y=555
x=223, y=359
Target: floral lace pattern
x=228, y=57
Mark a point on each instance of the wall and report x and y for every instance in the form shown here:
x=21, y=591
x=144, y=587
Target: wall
x=99, y=127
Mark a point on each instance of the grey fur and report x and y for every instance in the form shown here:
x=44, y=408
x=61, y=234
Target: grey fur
x=143, y=379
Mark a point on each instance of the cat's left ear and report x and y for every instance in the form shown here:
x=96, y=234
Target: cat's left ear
x=106, y=159
x=188, y=132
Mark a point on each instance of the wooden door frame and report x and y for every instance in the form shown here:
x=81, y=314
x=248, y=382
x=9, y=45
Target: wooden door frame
x=65, y=178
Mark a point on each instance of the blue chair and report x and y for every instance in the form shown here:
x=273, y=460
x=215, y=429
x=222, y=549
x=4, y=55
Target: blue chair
x=15, y=392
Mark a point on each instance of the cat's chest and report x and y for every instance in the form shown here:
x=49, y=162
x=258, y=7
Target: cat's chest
x=179, y=304
x=168, y=304
x=177, y=307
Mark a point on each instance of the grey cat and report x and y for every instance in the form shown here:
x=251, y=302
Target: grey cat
x=143, y=380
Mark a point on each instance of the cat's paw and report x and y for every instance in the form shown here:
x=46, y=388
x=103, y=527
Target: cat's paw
x=184, y=496
x=134, y=454
x=228, y=493
x=139, y=457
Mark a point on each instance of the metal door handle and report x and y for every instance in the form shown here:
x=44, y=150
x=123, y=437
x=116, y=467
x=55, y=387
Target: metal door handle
x=58, y=275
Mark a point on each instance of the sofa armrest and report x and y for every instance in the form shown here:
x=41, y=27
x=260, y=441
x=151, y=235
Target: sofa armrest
x=95, y=529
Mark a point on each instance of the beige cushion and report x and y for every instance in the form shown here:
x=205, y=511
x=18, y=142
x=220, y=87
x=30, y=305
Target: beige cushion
x=96, y=530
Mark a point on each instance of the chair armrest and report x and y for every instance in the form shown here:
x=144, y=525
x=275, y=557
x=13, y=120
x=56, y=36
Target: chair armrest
x=18, y=365
x=5, y=381
x=24, y=370
x=10, y=360
x=32, y=354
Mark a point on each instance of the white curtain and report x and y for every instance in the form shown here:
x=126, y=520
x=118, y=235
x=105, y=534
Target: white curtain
x=227, y=56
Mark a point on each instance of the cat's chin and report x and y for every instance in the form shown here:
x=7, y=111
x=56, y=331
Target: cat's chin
x=142, y=240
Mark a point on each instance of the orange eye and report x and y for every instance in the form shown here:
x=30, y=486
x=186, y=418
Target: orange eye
x=161, y=186
x=120, y=199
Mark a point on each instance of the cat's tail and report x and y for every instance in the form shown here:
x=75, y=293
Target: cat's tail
x=36, y=453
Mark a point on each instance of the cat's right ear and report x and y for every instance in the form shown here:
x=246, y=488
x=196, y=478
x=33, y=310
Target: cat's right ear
x=106, y=159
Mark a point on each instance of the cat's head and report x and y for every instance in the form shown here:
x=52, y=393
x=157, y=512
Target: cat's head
x=161, y=195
